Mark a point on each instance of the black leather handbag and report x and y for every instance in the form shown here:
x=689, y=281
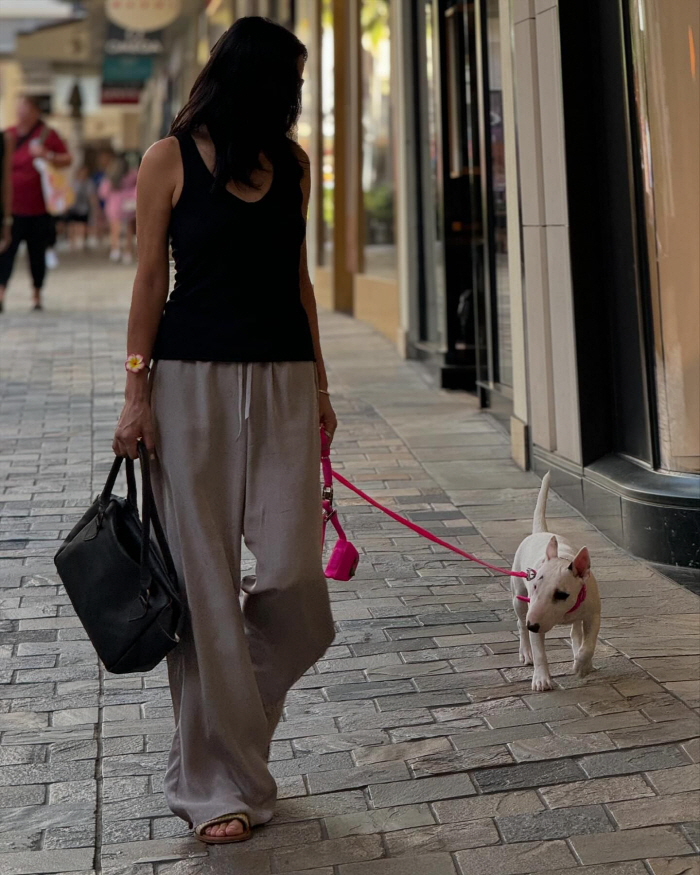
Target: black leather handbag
x=123, y=588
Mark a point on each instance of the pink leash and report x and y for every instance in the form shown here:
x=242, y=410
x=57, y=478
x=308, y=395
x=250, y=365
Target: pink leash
x=329, y=474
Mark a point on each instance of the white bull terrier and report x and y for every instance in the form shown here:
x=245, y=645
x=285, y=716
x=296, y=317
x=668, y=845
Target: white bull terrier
x=563, y=590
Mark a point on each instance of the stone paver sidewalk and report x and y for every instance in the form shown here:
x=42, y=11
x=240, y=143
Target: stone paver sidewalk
x=415, y=747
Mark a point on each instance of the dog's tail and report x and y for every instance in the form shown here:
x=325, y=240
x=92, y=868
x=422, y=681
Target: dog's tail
x=539, y=522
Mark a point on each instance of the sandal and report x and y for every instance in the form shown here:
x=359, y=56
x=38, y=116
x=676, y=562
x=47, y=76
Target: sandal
x=224, y=840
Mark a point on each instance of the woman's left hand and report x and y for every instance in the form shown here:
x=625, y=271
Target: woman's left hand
x=326, y=415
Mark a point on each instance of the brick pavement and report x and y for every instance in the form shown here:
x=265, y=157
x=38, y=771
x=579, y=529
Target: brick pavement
x=415, y=747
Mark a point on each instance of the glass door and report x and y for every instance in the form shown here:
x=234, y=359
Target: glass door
x=460, y=203
x=427, y=84
x=496, y=193
x=494, y=341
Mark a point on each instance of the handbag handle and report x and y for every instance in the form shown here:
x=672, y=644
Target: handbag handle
x=150, y=512
x=150, y=515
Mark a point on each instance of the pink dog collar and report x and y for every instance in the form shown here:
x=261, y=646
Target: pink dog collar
x=579, y=601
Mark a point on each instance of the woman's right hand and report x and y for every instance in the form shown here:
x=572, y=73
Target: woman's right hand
x=134, y=423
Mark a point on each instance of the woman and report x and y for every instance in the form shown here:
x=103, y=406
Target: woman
x=232, y=412
x=31, y=221
x=7, y=146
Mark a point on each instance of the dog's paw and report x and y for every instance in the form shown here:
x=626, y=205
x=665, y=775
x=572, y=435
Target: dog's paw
x=541, y=681
x=583, y=667
x=525, y=656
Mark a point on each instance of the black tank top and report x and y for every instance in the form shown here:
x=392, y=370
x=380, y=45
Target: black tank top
x=236, y=295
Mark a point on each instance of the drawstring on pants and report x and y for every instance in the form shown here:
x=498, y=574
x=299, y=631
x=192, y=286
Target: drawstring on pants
x=244, y=366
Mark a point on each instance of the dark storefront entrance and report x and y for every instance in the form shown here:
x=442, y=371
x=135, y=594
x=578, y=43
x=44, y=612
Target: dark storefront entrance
x=631, y=129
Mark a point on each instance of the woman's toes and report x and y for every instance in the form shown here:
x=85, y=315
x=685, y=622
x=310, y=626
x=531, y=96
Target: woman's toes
x=219, y=830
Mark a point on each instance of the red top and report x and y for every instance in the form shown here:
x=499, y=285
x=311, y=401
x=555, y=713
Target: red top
x=27, y=196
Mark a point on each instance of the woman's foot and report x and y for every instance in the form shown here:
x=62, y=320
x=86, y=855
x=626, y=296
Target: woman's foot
x=232, y=828
x=37, y=305
x=224, y=829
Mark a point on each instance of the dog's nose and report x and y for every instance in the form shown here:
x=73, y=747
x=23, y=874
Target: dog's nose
x=533, y=627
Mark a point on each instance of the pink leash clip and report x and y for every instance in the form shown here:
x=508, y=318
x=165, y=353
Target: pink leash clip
x=344, y=559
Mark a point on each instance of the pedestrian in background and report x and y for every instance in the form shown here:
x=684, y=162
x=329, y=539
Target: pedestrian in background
x=32, y=139
x=84, y=206
x=7, y=145
x=99, y=226
x=118, y=191
x=232, y=413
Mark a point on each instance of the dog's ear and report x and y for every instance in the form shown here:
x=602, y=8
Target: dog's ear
x=582, y=563
x=553, y=548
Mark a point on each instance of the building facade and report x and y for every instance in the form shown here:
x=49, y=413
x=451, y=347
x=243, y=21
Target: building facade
x=509, y=190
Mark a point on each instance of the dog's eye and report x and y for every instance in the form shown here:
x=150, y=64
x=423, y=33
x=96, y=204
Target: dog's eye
x=559, y=595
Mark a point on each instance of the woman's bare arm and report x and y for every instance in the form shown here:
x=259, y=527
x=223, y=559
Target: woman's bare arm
x=308, y=299
x=61, y=159
x=158, y=187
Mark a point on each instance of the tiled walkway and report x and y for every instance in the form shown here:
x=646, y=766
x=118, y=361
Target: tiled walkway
x=416, y=747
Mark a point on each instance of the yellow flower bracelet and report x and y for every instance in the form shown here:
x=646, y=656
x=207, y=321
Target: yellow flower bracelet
x=135, y=363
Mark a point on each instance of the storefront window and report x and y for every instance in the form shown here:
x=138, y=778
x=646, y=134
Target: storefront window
x=499, y=236
x=666, y=41
x=377, y=141
x=433, y=327
x=328, y=121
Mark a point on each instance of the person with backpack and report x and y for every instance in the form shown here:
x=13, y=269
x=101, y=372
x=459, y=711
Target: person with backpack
x=31, y=139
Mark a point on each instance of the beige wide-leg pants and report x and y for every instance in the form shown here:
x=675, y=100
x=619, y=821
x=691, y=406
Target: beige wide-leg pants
x=237, y=453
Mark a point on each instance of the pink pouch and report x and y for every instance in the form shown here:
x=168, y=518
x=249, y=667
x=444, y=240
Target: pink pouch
x=344, y=559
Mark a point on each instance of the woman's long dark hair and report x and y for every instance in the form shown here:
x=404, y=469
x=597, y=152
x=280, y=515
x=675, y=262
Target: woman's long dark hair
x=249, y=97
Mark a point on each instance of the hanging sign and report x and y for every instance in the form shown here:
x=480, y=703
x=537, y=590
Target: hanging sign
x=121, y=92
x=126, y=68
x=143, y=15
x=121, y=41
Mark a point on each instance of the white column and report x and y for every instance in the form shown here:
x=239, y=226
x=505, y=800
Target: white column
x=519, y=422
